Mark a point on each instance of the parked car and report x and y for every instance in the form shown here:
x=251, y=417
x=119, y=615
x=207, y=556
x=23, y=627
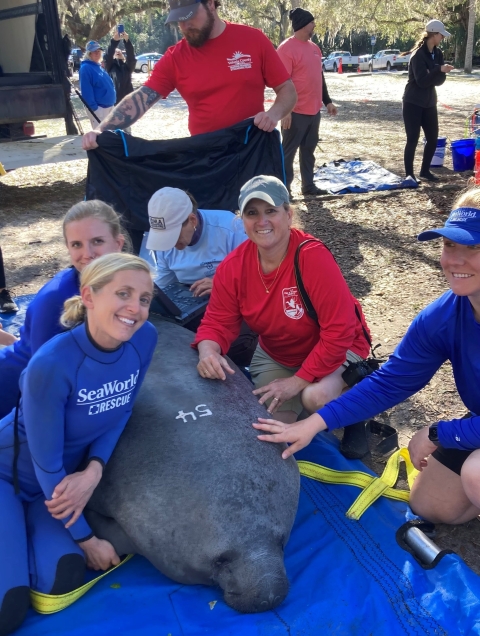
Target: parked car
x=389, y=59
x=363, y=61
x=332, y=62
x=144, y=59
x=77, y=56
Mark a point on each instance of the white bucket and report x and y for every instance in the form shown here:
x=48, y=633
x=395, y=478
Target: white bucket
x=439, y=156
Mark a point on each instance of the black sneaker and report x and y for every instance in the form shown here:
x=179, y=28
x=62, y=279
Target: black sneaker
x=6, y=302
x=313, y=191
x=429, y=176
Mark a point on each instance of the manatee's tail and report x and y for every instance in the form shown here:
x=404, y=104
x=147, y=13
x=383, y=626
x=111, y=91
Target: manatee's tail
x=253, y=583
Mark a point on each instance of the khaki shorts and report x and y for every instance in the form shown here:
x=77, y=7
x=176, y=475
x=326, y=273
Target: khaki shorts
x=264, y=369
x=101, y=113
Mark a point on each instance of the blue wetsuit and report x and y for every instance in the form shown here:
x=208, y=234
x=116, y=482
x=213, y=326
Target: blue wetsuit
x=445, y=330
x=42, y=322
x=76, y=400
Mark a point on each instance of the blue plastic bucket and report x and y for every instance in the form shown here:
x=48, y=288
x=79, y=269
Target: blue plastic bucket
x=463, y=154
x=439, y=156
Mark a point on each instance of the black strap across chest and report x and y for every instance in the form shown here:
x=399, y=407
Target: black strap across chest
x=307, y=303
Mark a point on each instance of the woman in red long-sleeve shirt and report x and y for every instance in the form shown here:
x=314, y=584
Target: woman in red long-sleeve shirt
x=298, y=362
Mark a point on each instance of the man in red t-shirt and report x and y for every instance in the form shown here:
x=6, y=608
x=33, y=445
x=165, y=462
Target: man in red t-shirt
x=303, y=61
x=221, y=71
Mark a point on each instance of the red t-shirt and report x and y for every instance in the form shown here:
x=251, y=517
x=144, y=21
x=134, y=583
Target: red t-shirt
x=286, y=332
x=223, y=81
x=303, y=61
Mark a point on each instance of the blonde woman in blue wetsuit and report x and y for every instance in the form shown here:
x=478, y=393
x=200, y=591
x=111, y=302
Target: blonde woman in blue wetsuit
x=90, y=229
x=447, y=453
x=77, y=396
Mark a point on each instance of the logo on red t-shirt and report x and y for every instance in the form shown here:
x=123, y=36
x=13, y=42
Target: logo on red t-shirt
x=239, y=61
x=292, y=305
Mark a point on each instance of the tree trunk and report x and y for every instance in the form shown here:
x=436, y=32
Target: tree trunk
x=470, y=38
x=284, y=21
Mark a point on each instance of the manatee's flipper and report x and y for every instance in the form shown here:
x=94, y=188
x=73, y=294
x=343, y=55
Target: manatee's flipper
x=107, y=528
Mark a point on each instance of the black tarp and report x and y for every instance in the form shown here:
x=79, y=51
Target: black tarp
x=125, y=171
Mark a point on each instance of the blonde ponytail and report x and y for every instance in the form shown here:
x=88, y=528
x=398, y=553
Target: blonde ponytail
x=73, y=312
x=96, y=275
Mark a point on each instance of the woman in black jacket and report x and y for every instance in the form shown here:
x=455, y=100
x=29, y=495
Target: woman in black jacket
x=120, y=68
x=425, y=71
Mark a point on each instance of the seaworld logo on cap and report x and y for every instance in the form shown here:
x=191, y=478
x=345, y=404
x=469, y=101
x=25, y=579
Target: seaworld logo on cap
x=462, y=215
x=157, y=223
x=109, y=396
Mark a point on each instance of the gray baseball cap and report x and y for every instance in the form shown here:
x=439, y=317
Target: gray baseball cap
x=181, y=10
x=264, y=187
x=435, y=26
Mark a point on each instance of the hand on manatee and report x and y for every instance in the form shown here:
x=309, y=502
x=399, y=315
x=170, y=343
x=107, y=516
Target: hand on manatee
x=72, y=494
x=99, y=554
x=202, y=287
x=280, y=391
x=211, y=363
x=298, y=435
x=214, y=366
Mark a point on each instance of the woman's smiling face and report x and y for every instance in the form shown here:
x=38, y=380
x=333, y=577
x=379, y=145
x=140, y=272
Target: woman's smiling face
x=88, y=239
x=265, y=224
x=461, y=266
x=119, y=309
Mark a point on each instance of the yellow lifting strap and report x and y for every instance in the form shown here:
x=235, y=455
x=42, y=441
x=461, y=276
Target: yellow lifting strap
x=49, y=604
x=372, y=487
x=3, y=172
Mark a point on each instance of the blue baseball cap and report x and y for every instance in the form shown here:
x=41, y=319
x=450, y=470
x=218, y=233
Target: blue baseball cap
x=93, y=45
x=462, y=226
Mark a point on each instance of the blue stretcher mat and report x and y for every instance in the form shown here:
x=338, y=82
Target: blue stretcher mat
x=347, y=577
x=12, y=322
x=342, y=177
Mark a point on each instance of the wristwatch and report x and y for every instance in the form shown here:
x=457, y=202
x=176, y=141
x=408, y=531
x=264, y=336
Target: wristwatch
x=433, y=434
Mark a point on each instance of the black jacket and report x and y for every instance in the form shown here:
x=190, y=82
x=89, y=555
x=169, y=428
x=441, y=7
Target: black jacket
x=212, y=166
x=423, y=75
x=121, y=72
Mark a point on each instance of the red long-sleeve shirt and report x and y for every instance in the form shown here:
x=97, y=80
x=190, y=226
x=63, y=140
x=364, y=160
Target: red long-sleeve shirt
x=286, y=332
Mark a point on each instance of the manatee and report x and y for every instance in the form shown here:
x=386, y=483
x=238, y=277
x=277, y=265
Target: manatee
x=191, y=488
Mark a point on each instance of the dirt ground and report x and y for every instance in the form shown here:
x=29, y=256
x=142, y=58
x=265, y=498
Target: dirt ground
x=372, y=236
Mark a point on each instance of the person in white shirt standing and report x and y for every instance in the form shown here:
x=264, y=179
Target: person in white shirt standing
x=303, y=60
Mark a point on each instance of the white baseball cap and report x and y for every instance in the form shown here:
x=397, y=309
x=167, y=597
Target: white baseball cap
x=435, y=26
x=167, y=210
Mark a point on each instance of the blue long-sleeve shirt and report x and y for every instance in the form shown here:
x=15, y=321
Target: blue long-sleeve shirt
x=445, y=330
x=96, y=85
x=42, y=322
x=76, y=401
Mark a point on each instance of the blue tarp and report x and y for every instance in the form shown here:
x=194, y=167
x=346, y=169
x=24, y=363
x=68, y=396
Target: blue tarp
x=13, y=321
x=347, y=577
x=341, y=177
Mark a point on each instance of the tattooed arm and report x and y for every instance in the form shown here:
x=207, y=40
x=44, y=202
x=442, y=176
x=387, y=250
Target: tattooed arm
x=127, y=112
